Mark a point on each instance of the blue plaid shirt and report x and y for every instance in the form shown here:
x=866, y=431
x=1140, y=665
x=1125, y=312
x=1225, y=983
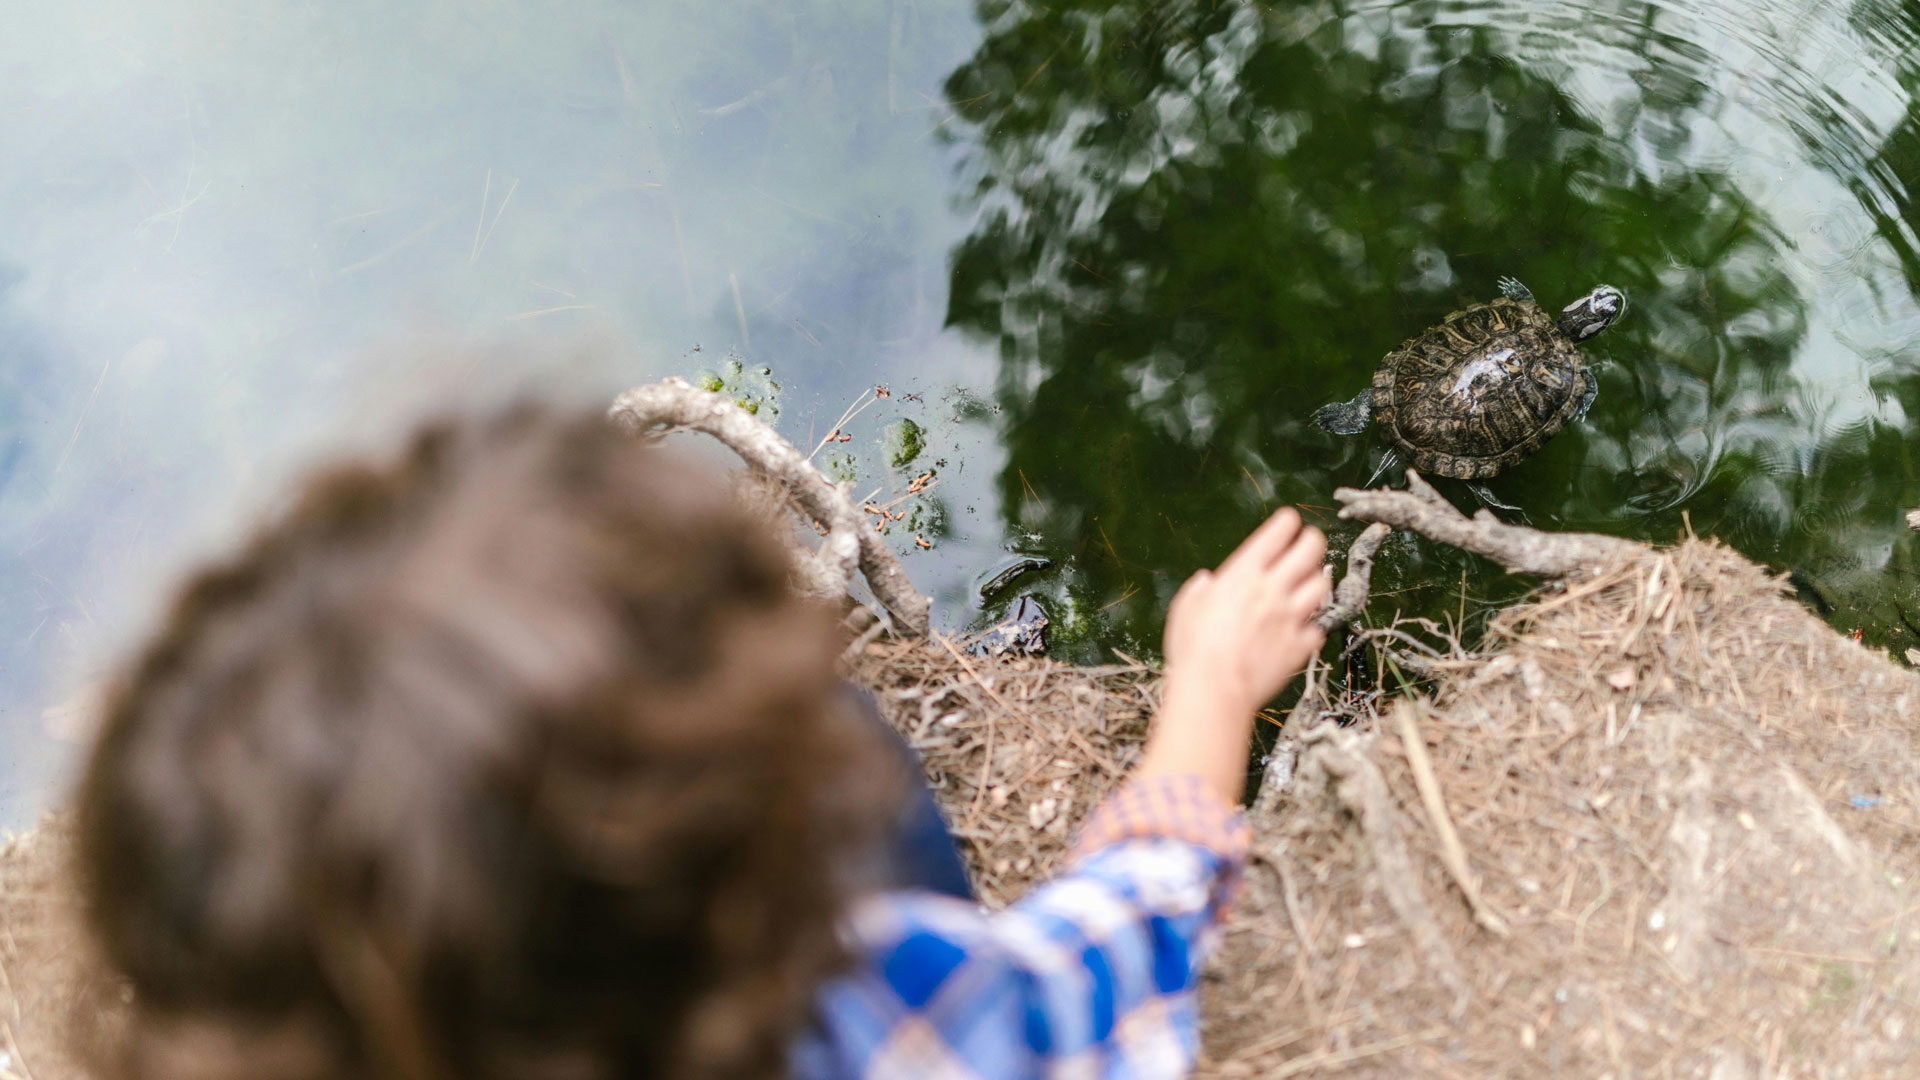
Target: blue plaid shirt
x=1090, y=975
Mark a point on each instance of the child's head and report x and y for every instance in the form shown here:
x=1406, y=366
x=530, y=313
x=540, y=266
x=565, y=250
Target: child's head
x=516, y=757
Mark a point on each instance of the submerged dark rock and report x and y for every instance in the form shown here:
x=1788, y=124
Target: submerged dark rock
x=1022, y=633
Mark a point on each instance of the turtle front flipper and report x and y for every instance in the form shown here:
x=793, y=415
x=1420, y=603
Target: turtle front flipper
x=1587, y=395
x=1479, y=489
x=1387, y=465
x=1346, y=417
x=1513, y=290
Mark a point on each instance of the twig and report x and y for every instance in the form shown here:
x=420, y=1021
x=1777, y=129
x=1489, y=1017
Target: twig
x=859, y=406
x=869, y=636
x=1323, y=1058
x=1519, y=549
x=967, y=665
x=1418, y=666
x=673, y=403
x=1374, y=633
x=986, y=766
x=1453, y=854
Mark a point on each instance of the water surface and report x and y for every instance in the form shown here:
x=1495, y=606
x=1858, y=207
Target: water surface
x=1197, y=222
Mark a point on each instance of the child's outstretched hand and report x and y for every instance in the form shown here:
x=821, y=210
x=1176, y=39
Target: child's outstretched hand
x=1235, y=635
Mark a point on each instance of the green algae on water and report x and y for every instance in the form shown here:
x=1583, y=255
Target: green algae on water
x=753, y=389
x=904, y=441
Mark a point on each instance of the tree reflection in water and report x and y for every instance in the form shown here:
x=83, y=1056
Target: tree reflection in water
x=1198, y=222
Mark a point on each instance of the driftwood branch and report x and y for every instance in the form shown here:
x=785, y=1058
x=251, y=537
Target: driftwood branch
x=1519, y=549
x=672, y=403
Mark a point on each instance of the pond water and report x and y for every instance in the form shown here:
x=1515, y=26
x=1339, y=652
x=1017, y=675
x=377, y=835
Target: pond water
x=1106, y=257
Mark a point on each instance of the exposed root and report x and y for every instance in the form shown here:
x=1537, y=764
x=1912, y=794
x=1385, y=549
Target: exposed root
x=1350, y=596
x=673, y=403
x=1362, y=793
x=1349, y=600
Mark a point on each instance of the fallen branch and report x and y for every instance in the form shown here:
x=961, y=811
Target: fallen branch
x=1519, y=549
x=672, y=403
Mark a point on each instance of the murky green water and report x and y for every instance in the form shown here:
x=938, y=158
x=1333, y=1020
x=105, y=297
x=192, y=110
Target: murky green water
x=1199, y=221
x=1107, y=258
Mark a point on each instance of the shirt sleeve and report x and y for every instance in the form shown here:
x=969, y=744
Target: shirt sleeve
x=1180, y=808
x=1091, y=974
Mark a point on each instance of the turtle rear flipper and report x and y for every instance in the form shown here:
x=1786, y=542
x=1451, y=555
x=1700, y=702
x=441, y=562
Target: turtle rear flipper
x=1346, y=417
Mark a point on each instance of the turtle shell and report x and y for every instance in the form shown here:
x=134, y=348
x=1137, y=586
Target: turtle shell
x=1480, y=391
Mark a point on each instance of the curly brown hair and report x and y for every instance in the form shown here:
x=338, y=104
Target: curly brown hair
x=514, y=758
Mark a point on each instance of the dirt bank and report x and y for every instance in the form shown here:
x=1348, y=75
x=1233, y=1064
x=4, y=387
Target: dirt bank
x=1662, y=824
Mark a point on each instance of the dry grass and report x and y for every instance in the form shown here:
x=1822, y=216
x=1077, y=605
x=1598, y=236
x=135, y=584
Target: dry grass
x=1652, y=774
x=1017, y=751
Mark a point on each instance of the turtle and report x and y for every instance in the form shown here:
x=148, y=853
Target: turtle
x=1488, y=386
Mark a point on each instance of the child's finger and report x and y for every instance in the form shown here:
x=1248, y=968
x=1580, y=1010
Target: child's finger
x=1303, y=558
x=1190, y=597
x=1265, y=544
x=1189, y=591
x=1308, y=595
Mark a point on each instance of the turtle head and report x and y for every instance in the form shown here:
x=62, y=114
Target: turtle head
x=1592, y=313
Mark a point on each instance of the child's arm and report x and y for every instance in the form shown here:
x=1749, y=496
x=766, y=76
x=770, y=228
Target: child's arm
x=1234, y=637
x=1094, y=972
